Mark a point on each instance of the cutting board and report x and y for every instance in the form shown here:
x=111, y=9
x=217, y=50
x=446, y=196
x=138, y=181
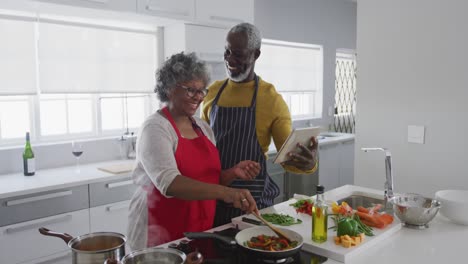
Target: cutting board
x=327, y=249
x=117, y=168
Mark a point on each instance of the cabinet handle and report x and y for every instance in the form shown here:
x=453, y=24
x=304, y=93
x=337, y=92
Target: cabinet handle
x=165, y=11
x=117, y=207
x=38, y=198
x=98, y=1
x=226, y=19
x=55, y=258
x=118, y=184
x=29, y=226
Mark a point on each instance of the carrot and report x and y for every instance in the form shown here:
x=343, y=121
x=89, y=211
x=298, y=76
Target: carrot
x=363, y=209
x=372, y=219
x=386, y=218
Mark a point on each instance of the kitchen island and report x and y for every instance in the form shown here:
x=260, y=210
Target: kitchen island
x=442, y=242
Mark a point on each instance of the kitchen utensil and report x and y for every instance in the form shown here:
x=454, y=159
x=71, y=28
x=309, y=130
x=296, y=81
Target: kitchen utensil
x=454, y=205
x=246, y=234
x=415, y=210
x=276, y=230
x=93, y=248
x=251, y=221
x=159, y=256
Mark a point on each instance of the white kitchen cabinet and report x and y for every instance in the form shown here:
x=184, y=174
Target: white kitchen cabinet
x=115, y=5
x=64, y=257
x=175, y=9
x=336, y=164
x=110, y=217
x=346, y=163
x=224, y=12
x=207, y=42
x=22, y=242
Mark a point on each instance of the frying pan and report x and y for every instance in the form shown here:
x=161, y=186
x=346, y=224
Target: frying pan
x=247, y=234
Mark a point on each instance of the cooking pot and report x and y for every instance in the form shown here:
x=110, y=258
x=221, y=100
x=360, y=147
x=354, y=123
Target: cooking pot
x=159, y=256
x=247, y=234
x=93, y=248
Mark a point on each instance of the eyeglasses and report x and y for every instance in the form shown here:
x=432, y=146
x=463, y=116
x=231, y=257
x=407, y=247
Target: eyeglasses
x=191, y=92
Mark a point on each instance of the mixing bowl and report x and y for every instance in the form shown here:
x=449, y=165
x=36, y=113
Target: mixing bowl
x=454, y=205
x=414, y=210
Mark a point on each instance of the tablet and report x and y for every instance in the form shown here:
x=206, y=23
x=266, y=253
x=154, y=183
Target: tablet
x=298, y=135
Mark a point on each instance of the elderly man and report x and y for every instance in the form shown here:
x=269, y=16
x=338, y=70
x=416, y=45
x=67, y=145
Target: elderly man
x=245, y=112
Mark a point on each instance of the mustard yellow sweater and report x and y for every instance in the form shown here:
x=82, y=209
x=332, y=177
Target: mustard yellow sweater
x=272, y=116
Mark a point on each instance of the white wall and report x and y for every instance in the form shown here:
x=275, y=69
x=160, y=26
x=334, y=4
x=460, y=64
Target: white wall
x=412, y=70
x=331, y=23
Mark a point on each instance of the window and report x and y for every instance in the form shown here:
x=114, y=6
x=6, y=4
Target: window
x=296, y=71
x=84, y=79
x=15, y=117
x=345, y=92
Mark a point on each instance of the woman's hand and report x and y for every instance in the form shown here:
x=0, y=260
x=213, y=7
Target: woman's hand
x=240, y=198
x=307, y=157
x=246, y=170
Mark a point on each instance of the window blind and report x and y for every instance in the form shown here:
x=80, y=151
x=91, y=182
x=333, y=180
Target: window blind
x=291, y=66
x=83, y=59
x=18, y=57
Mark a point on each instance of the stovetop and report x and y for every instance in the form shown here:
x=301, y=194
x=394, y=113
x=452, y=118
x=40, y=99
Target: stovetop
x=214, y=251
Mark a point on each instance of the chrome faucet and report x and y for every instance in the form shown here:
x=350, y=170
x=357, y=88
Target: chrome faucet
x=388, y=173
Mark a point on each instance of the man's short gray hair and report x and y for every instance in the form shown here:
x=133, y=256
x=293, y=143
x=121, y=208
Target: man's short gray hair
x=179, y=68
x=254, y=38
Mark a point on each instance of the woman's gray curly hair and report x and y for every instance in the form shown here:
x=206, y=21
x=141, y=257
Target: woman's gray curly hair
x=179, y=68
x=254, y=37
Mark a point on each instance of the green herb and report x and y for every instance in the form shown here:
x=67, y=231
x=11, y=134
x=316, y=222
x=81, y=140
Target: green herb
x=281, y=219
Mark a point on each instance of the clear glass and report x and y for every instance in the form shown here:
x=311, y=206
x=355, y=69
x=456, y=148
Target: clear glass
x=77, y=151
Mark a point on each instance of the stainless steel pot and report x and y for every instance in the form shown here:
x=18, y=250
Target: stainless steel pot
x=159, y=256
x=93, y=248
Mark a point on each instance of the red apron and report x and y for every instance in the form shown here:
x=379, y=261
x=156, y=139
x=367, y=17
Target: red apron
x=168, y=218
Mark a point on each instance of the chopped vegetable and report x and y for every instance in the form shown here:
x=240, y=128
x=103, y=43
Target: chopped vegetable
x=343, y=209
x=349, y=241
x=281, y=219
x=303, y=206
x=270, y=243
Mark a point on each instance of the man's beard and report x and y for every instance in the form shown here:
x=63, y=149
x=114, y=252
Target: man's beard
x=239, y=78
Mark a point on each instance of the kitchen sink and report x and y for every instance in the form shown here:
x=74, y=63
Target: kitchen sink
x=360, y=200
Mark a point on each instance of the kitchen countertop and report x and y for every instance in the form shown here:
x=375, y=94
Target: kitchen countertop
x=442, y=242
x=51, y=179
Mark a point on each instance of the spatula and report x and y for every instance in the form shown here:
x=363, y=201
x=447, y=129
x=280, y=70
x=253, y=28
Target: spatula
x=272, y=227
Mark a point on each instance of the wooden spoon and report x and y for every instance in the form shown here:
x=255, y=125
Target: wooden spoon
x=272, y=227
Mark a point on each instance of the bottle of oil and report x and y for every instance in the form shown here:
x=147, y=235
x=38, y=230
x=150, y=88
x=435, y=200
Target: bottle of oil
x=319, y=217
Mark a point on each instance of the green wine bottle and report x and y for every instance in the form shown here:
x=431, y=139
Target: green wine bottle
x=29, y=163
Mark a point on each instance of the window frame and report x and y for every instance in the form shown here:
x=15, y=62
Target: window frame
x=33, y=100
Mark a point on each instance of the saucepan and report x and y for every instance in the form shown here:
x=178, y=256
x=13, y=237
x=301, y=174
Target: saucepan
x=246, y=234
x=158, y=256
x=93, y=248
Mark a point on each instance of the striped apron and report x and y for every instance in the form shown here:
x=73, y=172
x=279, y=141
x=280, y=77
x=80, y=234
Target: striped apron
x=236, y=140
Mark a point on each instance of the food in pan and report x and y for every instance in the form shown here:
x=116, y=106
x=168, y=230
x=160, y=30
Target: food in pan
x=270, y=243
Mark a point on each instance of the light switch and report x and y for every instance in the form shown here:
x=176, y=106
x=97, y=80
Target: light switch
x=416, y=134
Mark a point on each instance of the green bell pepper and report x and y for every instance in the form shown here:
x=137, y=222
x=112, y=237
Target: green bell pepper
x=347, y=226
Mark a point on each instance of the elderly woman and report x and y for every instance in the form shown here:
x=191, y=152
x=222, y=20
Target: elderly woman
x=178, y=170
